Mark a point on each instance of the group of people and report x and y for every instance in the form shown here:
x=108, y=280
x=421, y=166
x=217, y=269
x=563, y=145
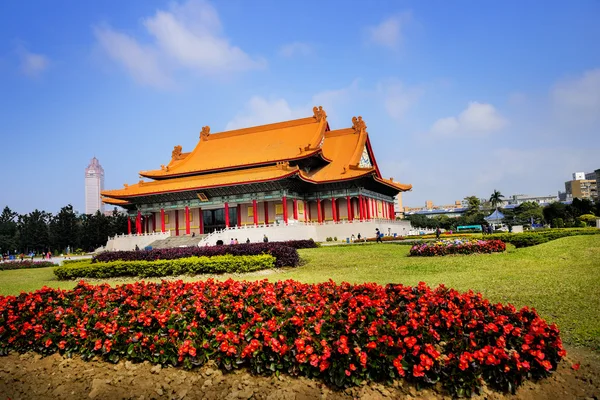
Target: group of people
x=46, y=255
x=378, y=237
x=487, y=229
x=236, y=241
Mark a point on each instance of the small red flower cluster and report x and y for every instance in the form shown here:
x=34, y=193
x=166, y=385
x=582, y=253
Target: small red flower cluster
x=444, y=248
x=343, y=334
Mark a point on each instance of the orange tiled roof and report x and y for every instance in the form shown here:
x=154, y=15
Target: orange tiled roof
x=283, y=141
x=115, y=202
x=227, y=178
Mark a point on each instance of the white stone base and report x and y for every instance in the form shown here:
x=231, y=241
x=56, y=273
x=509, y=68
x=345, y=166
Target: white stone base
x=299, y=230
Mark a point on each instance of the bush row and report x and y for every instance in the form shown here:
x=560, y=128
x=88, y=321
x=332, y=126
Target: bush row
x=25, y=264
x=343, y=334
x=445, y=248
x=300, y=244
x=181, y=266
x=285, y=255
x=527, y=239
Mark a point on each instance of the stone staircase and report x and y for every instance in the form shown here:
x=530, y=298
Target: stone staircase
x=177, y=241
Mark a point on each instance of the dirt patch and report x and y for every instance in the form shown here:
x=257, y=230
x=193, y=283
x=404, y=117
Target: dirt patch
x=30, y=376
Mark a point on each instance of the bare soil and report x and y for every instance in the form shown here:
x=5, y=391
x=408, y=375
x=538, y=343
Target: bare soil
x=30, y=376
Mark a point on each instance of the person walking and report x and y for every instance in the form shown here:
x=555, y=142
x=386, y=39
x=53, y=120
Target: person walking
x=265, y=238
x=247, y=240
x=437, y=232
x=378, y=234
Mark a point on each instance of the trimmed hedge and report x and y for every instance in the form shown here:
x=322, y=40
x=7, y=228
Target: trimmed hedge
x=300, y=244
x=25, y=264
x=189, y=266
x=527, y=239
x=285, y=255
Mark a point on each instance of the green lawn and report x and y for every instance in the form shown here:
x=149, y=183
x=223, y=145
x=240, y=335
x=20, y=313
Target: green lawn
x=561, y=279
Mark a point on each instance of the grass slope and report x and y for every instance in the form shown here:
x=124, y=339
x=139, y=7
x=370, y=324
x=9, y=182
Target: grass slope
x=560, y=278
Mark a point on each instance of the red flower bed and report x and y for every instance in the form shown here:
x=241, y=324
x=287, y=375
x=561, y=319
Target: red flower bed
x=25, y=264
x=342, y=334
x=444, y=248
x=285, y=253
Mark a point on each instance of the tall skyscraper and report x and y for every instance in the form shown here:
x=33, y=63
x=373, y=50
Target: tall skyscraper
x=94, y=184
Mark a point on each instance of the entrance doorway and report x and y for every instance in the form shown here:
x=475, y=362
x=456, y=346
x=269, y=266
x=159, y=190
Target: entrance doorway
x=215, y=219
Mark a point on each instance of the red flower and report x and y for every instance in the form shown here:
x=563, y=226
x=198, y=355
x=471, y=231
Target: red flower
x=418, y=371
x=575, y=367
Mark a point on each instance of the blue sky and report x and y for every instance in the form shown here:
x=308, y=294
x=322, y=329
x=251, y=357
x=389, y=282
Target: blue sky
x=459, y=98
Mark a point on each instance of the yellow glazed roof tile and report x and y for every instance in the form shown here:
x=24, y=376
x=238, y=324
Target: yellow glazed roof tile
x=258, y=145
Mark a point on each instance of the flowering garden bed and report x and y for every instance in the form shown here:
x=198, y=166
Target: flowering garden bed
x=25, y=264
x=458, y=246
x=285, y=253
x=180, y=266
x=342, y=334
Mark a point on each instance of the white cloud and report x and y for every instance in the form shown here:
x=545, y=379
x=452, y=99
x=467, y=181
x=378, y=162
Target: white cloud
x=260, y=110
x=187, y=36
x=579, y=97
x=295, y=49
x=398, y=98
x=477, y=118
x=388, y=33
x=140, y=61
x=32, y=64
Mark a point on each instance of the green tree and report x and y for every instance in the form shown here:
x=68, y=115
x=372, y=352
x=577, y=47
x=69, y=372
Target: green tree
x=64, y=229
x=473, y=205
x=496, y=199
x=8, y=230
x=525, y=212
x=588, y=219
x=33, y=231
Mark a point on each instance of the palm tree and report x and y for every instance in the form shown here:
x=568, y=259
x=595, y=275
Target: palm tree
x=496, y=199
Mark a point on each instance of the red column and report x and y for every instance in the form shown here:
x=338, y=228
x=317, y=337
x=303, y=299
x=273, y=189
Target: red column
x=255, y=212
x=147, y=224
x=319, y=215
x=266, y=213
x=138, y=223
x=226, y=215
x=128, y=225
x=305, y=211
x=201, y=222
x=153, y=222
x=187, y=220
x=349, y=208
x=295, y=206
x=285, y=210
x=309, y=212
x=333, y=210
x=239, y=215
x=392, y=213
x=176, y=222
x=162, y=220
x=370, y=210
x=361, y=213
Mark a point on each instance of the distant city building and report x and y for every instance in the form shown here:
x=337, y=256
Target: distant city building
x=398, y=209
x=583, y=186
x=578, y=176
x=94, y=184
x=518, y=199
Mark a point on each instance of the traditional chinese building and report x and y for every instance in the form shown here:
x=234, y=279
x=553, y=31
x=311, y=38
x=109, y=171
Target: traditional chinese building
x=290, y=172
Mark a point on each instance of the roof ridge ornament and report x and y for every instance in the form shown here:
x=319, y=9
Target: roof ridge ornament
x=319, y=113
x=358, y=124
x=205, y=133
x=283, y=165
x=176, y=153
